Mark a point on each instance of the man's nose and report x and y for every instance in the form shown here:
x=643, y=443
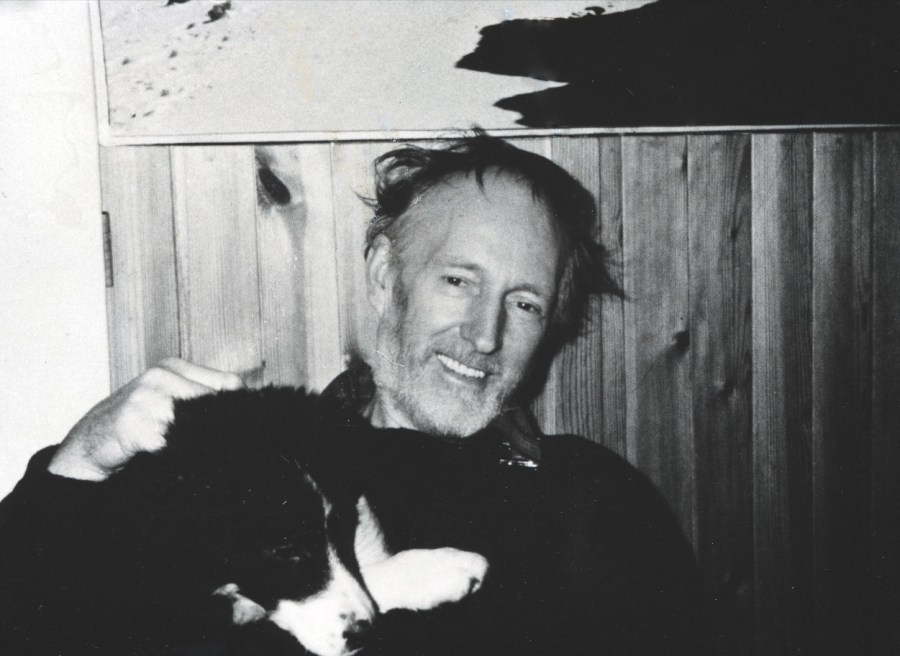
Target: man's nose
x=484, y=326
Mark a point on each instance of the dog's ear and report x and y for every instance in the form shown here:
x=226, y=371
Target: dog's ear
x=243, y=609
x=368, y=542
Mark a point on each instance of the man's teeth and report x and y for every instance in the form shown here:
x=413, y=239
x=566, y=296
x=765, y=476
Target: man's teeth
x=459, y=367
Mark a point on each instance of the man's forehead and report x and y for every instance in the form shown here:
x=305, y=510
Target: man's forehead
x=499, y=226
x=465, y=195
x=481, y=184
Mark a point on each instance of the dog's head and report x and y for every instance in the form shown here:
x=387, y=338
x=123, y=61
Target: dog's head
x=293, y=565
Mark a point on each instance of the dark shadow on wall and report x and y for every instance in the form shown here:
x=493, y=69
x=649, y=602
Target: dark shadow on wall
x=704, y=62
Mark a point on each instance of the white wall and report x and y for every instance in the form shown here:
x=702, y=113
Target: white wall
x=53, y=350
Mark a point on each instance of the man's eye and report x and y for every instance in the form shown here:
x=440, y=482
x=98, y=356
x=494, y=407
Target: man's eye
x=453, y=280
x=528, y=307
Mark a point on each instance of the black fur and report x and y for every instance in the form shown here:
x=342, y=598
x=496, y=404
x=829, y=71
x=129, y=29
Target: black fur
x=230, y=500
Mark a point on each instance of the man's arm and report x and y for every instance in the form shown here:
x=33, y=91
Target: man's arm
x=634, y=580
x=133, y=419
x=58, y=538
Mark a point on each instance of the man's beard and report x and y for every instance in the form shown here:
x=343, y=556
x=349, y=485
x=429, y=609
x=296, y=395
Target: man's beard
x=409, y=376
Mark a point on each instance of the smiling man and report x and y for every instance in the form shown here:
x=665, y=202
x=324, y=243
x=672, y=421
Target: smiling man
x=463, y=296
x=480, y=262
x=479, y=255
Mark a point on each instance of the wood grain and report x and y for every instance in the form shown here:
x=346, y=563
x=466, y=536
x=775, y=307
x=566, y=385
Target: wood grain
x=142, y=303
x=300, y=326
x=615, y=392
x=782, y=379
x=885, y=496
x=591, y=370
x=721, y=349
x=579, y=365
x=841, y=388
x=352, y=178
x=657, y=339
x=215, y=236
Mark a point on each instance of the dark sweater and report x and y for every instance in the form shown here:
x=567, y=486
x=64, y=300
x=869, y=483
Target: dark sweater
x=585, y=556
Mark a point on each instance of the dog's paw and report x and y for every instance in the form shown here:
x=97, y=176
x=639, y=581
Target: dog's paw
x=421, y=579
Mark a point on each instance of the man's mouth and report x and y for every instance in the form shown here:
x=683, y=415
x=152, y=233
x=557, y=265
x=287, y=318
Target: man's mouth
x=459, y=368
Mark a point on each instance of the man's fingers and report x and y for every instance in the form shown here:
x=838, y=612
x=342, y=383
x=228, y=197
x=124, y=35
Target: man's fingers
x=133, y=419
x=212, y=379
x=165, y=385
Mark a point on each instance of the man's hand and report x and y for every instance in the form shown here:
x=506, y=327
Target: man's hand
x=133, y=419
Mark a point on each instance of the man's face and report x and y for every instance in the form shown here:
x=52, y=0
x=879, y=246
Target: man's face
x=467, y=298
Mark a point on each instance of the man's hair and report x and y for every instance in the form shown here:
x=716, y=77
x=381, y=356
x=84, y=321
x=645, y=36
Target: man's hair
x=405, y=174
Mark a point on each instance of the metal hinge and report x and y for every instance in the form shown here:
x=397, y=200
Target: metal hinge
x=107, y=251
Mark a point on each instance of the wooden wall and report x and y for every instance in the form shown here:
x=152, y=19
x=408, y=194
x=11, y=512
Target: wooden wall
x=753, y=372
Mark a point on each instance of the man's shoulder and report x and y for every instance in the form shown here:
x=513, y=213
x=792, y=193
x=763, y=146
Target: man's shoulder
x=588, y=470
x=578, y=454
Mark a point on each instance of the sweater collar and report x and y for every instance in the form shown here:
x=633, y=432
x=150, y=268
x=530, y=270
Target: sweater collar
x=516, y=426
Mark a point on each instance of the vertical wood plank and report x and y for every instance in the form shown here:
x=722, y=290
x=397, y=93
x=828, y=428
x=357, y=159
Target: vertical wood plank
x=300, y=327
x=615, y=395
x=353, y=177
x=142, y=304
x=885, y=499
x=579, y=364
x=215, y=236
x=721, y=349
x=657, y=341
x=842, y=378
x=782, y=492
x=591, y=370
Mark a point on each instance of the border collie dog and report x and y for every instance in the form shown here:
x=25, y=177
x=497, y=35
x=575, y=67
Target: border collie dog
x=238, y=536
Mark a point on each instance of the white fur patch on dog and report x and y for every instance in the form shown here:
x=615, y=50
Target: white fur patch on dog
x=243, y=609
x=421, y=579
x=324, y=622
x=368, y=542
x=416, y=579
x=327, y=622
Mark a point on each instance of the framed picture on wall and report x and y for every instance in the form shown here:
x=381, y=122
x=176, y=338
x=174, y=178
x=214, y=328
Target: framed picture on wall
x=172, y=71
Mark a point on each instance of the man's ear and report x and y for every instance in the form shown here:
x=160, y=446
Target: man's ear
x=380, y=273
